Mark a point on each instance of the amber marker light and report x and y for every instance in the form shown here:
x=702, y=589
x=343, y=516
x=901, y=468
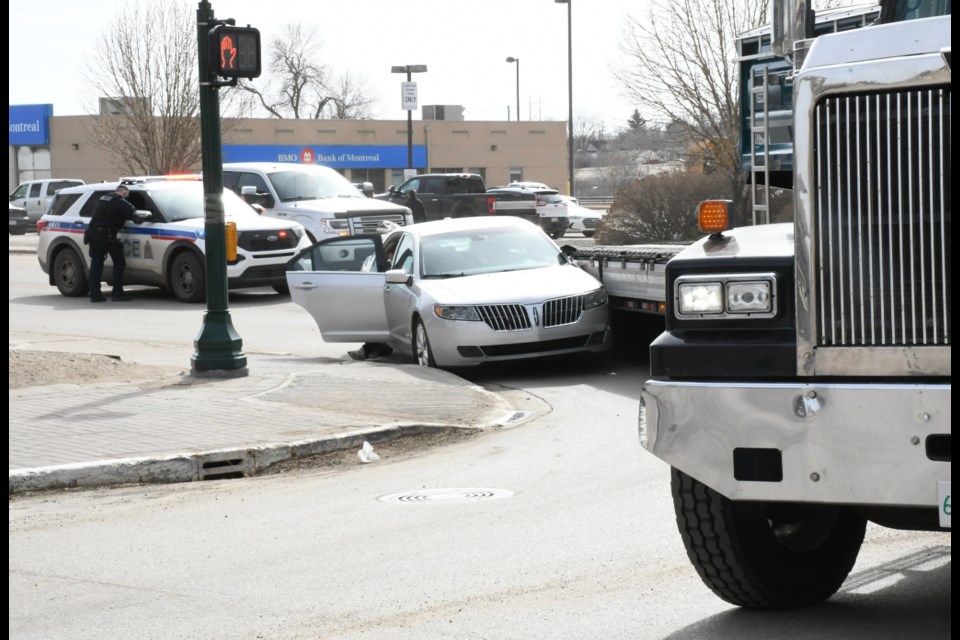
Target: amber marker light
x=713, y=216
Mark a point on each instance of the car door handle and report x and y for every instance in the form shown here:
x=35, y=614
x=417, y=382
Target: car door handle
x=305, y=285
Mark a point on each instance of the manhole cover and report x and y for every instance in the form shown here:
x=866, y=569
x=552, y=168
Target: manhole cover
x=445, y=496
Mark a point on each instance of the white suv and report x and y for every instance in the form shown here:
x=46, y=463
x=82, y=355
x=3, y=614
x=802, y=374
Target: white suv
x=166, y=248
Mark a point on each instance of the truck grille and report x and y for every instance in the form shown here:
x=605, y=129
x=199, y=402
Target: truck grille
x=883, y=218
x=371, y=223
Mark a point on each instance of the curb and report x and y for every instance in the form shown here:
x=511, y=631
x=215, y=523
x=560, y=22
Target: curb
x=221, y=464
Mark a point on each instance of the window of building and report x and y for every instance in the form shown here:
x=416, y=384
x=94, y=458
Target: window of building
x=516, y=174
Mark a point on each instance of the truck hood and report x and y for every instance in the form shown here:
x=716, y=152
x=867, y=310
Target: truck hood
x=344, y=207
x=530, y=286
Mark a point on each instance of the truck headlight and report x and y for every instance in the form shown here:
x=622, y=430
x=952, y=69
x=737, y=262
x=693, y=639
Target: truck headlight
x=749, y=297
x=456, y=312
x=699, y=298
x=335, y=226
x=737, y=295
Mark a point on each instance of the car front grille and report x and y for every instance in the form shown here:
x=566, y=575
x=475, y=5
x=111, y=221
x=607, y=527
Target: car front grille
x=516, y=317
x=267, y=240
x=505, y=317
x=590, y=223
x=562, y=311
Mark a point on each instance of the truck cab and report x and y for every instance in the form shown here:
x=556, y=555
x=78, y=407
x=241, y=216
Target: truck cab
x=802, y=385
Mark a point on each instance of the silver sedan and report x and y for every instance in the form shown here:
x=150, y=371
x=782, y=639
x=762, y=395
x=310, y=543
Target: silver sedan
x=453, y=293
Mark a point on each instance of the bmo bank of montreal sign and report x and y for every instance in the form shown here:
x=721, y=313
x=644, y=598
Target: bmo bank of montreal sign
x=29, y=124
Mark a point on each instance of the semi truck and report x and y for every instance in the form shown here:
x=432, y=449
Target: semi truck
x=801, y=386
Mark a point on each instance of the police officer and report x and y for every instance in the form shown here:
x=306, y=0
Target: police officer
x=111, y=214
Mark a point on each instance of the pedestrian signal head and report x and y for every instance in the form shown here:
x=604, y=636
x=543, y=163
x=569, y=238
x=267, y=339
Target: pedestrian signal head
x=234, y=52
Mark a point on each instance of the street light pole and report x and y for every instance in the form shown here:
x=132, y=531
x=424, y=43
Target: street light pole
x=569, y=3
x=409, y=101
x=517, y=60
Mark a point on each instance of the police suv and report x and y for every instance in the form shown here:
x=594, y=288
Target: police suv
x=165, y=248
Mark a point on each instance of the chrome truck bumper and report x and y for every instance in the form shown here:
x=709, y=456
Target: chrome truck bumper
x=865, y=444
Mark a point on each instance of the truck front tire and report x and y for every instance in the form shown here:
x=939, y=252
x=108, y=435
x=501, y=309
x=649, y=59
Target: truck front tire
x=761, y=555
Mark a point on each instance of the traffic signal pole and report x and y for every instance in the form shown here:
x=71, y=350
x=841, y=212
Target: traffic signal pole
x=219, y=348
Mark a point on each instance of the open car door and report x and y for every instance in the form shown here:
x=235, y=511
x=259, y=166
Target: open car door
x=331, y=282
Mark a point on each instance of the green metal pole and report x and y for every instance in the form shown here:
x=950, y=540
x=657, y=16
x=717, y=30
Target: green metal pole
x=219, y=349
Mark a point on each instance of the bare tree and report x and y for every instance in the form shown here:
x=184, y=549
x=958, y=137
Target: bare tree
x=299, y=87
x=680, y=63
x=659, y=208
x=146, y=63
x=587, y=131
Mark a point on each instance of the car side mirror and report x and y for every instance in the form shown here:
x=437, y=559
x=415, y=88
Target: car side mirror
x=393, y=190
x=568, y=250
x=142, y=215
x=248, y=190
x=398, y=276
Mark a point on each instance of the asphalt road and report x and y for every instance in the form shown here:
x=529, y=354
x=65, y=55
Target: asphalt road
x=559, y=528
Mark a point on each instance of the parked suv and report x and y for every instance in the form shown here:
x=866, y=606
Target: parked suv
x=36, y=195
x=166, y=248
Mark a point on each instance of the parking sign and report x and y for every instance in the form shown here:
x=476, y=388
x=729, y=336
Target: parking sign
x=409, y=95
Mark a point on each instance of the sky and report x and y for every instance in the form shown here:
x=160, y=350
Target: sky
x=463, y=44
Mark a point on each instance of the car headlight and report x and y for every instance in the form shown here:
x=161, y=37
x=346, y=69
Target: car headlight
x=596, y=298
x=456, y=312
x=718, y=296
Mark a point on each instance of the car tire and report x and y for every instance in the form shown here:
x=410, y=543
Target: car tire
x=69, y=274
x=587, y=234
x=422, y=352
x=187, y=278
x=18, y=232
x=282, y=289
x=556, y=235
x=761, y=555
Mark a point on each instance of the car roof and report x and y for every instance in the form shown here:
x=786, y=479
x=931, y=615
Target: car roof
x=478, y=223
x=277, y=166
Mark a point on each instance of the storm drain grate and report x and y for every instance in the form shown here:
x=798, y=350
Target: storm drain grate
x=445, y=496
x=225, y=467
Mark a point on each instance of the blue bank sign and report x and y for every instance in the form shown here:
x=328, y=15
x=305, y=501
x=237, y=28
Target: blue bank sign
x=30, y=124
x=335, y=156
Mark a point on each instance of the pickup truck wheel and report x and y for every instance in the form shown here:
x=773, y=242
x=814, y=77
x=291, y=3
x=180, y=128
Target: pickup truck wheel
x=763, y=555
x=187, y=278
x=69, y=274
x=421, y=345
x=556, y=235
x=587, y=234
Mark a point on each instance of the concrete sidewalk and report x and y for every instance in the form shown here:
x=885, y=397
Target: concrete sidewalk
x=181, y=428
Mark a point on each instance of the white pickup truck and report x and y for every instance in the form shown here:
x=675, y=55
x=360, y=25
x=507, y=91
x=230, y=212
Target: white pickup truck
x=323, y=201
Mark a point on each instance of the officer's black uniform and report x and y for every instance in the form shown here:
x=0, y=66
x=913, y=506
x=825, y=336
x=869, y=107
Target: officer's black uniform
x=110, y=216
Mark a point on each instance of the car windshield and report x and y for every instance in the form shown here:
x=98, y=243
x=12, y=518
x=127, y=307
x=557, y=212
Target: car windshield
x=472, y=252
x=187, y=203
x=300, y=185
